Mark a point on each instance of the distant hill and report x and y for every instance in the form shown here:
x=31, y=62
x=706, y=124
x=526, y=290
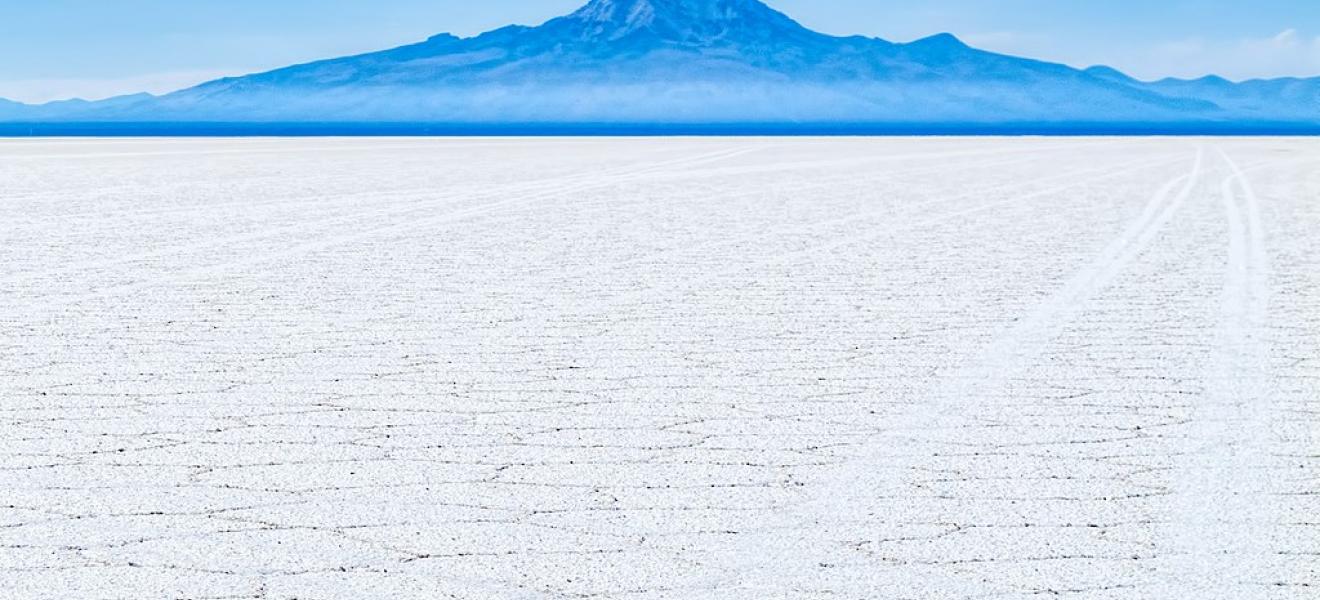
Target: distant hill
x=10, y=109
x=696, y=62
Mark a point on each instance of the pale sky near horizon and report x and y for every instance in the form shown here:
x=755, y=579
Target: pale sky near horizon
x=56, y=49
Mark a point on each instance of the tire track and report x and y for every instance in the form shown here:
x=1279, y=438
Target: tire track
x=540, y=189
x=847, y=495
x=1012, y=350
x=816, y=227
x=1074, y=180
x=1223, y=513
x=761, y=168
x=568, y=185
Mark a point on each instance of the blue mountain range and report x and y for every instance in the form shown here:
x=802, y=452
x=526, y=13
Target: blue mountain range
x=686, y=63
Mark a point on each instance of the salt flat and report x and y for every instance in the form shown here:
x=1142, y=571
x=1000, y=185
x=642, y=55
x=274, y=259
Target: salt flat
x=660, y=368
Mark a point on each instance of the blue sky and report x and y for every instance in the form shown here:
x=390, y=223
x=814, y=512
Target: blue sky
x=52, y=49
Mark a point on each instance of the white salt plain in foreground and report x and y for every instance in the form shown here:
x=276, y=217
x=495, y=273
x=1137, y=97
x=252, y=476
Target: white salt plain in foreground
x=660, y=368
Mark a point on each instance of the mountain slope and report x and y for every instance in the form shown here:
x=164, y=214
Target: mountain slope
x=1286, y=99
x=693, y=61
x=11, y=110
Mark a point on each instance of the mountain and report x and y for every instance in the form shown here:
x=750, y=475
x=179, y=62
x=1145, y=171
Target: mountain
x=685, y=62
x=10, y=109
x=1286, y=99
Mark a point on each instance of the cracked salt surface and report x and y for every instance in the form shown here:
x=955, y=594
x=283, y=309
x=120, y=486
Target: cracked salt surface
x=645, y=369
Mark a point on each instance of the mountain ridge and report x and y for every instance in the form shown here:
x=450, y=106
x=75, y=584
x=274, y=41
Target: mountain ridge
x=694, y=62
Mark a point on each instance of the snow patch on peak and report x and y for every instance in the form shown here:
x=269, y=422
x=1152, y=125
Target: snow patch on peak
x=648, y=11
x=679, y=19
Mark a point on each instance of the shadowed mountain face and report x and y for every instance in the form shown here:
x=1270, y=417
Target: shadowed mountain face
x=694, y=61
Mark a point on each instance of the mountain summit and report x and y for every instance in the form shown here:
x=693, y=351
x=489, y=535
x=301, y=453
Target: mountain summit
x=675, y=63
x=687, y=21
